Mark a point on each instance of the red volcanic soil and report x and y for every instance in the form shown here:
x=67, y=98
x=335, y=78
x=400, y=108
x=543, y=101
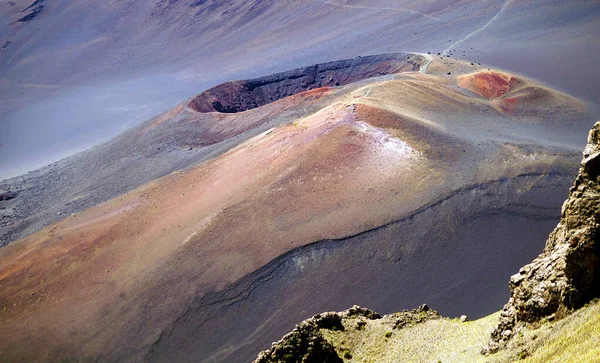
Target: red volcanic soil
x=489, y=84
x=508, y=105
x=514, y=96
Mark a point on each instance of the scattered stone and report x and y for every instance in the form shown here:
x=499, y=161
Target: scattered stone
x=411, y=317
x=359, y=311
x=464, y=318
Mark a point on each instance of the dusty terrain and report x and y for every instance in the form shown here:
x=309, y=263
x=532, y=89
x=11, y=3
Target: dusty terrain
x=177, y=139
x=313, y=164
x=552, y=315
x=276, y=212
x=80, y=73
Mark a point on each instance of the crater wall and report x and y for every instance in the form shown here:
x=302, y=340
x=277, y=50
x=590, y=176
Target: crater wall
x=238, y=96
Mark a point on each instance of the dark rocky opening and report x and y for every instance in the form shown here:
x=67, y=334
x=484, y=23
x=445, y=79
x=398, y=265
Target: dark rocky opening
x=36, y=8
x=238, y=96
x=7, y=195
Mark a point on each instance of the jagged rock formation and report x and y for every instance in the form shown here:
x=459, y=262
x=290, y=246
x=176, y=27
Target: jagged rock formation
x=238, y=96
x=567, y=274
x=307, y=344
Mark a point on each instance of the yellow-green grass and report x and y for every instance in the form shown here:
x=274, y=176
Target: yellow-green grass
x=446, y=340
x=573, y=339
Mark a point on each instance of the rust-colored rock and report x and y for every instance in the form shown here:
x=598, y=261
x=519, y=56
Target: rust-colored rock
x=489, y=84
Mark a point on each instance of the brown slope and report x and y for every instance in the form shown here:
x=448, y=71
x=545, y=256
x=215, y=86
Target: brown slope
x=176, y=139
x=87, y=266
x=127, y=270
x=516, y=96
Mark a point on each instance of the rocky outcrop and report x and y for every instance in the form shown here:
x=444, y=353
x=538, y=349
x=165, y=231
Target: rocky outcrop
x=567, y=274
x=238, y=96
x=307, y=344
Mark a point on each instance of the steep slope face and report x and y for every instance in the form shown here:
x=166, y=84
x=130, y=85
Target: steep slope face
x=562, y=279
x=349, y=179
x=567, y=274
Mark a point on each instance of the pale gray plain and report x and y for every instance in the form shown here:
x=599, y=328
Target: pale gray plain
x=81, y=72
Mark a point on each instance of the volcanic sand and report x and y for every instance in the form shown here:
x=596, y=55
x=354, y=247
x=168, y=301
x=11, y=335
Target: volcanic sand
x=107, y=283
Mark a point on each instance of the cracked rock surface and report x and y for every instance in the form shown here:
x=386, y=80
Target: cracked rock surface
x=567, y=273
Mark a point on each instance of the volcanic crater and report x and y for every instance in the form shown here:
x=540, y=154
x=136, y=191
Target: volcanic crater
x=389, y=184
x=239, y=96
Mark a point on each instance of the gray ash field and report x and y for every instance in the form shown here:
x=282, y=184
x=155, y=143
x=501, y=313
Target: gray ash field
x=262, y=162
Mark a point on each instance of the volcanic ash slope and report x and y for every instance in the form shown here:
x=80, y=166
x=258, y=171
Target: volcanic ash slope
x=553, y=313
x=136, y=277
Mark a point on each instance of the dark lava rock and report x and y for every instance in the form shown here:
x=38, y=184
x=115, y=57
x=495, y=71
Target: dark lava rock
x=329, y=321
x=238, y=96
x=567, y=274
x=358, y=311
x=304, y=344
x=36, y=8
x=8, y=195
